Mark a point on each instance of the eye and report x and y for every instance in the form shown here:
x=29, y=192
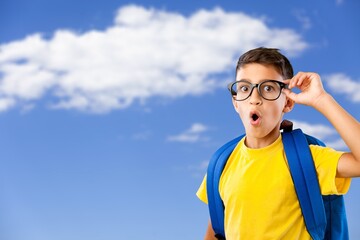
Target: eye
x=268, y=88
x=244, y=88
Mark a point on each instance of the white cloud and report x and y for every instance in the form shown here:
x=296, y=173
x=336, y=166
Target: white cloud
x=338, y=144
x=191, y=135
x=145, y=53
x=317, y=130
x=6, y=103
x=325, y=133
x=343, y=84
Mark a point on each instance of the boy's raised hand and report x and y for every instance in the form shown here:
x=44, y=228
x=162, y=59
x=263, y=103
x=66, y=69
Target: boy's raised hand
x=313, y=94
x=310, y=86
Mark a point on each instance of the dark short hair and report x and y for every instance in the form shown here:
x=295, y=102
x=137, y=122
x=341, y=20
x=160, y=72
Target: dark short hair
x=267, y=56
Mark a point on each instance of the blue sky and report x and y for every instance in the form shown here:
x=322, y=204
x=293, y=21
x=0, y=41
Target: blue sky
x=110, y=110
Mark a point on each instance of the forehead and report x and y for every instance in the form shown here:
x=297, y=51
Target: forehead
x=255, y=72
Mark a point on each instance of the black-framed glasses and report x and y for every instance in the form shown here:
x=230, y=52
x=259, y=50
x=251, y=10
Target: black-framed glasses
x=268, y=89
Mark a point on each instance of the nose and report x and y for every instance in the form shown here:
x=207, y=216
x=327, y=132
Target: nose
x=255, y=97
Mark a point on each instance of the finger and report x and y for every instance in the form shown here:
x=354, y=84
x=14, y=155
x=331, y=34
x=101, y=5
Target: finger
x=301, y=80
x=295, y=80
x=290, y=82
x=287, y=81
x=304, y=78
x=301, y=76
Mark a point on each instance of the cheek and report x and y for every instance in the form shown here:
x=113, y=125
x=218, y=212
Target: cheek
x=276, y=112
x=237, y=107
x=241, y=111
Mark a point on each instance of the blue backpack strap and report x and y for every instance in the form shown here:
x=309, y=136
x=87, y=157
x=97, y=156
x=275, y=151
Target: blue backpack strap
x=305, y=180
x=215, y=168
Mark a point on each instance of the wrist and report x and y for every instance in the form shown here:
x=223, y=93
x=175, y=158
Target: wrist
x=323, y=101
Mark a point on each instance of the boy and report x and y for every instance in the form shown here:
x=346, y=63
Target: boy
x=256, y=185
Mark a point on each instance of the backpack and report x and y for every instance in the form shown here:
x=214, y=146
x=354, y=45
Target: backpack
x=324, y=216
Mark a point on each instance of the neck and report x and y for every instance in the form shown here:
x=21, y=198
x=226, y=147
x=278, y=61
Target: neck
x=256, y=142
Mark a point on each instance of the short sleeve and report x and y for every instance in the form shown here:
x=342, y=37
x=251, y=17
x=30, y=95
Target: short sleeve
x=201, y=192
x=326, y=160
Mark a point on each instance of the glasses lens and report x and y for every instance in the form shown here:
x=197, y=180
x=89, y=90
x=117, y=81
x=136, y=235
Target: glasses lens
x=270, y=90
x=241, y=90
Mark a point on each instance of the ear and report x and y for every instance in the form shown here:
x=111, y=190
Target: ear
x=289, y=105
x=235, y=104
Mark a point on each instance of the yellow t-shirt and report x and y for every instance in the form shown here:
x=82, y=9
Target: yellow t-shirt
x=259, y=195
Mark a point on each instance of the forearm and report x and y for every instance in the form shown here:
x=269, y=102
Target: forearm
x=346, y=125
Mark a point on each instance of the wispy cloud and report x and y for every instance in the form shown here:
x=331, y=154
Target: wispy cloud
x=322, y=132
x=303, y=18
x=198, y=170
x=343, y=84
x=145, y=53
x=142, y=136
x=338, y=144
x=339, y=2
x=200, y=167
x=317, y=130
x=194, y=134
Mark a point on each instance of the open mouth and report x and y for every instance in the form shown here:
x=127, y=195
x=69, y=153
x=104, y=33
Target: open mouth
x=254, y=117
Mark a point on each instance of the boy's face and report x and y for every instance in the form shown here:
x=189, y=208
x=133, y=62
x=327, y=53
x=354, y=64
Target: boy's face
x=261, y=118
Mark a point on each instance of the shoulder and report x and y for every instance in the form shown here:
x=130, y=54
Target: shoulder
x=325, y=156
x=324, y=152
x=328, y=162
